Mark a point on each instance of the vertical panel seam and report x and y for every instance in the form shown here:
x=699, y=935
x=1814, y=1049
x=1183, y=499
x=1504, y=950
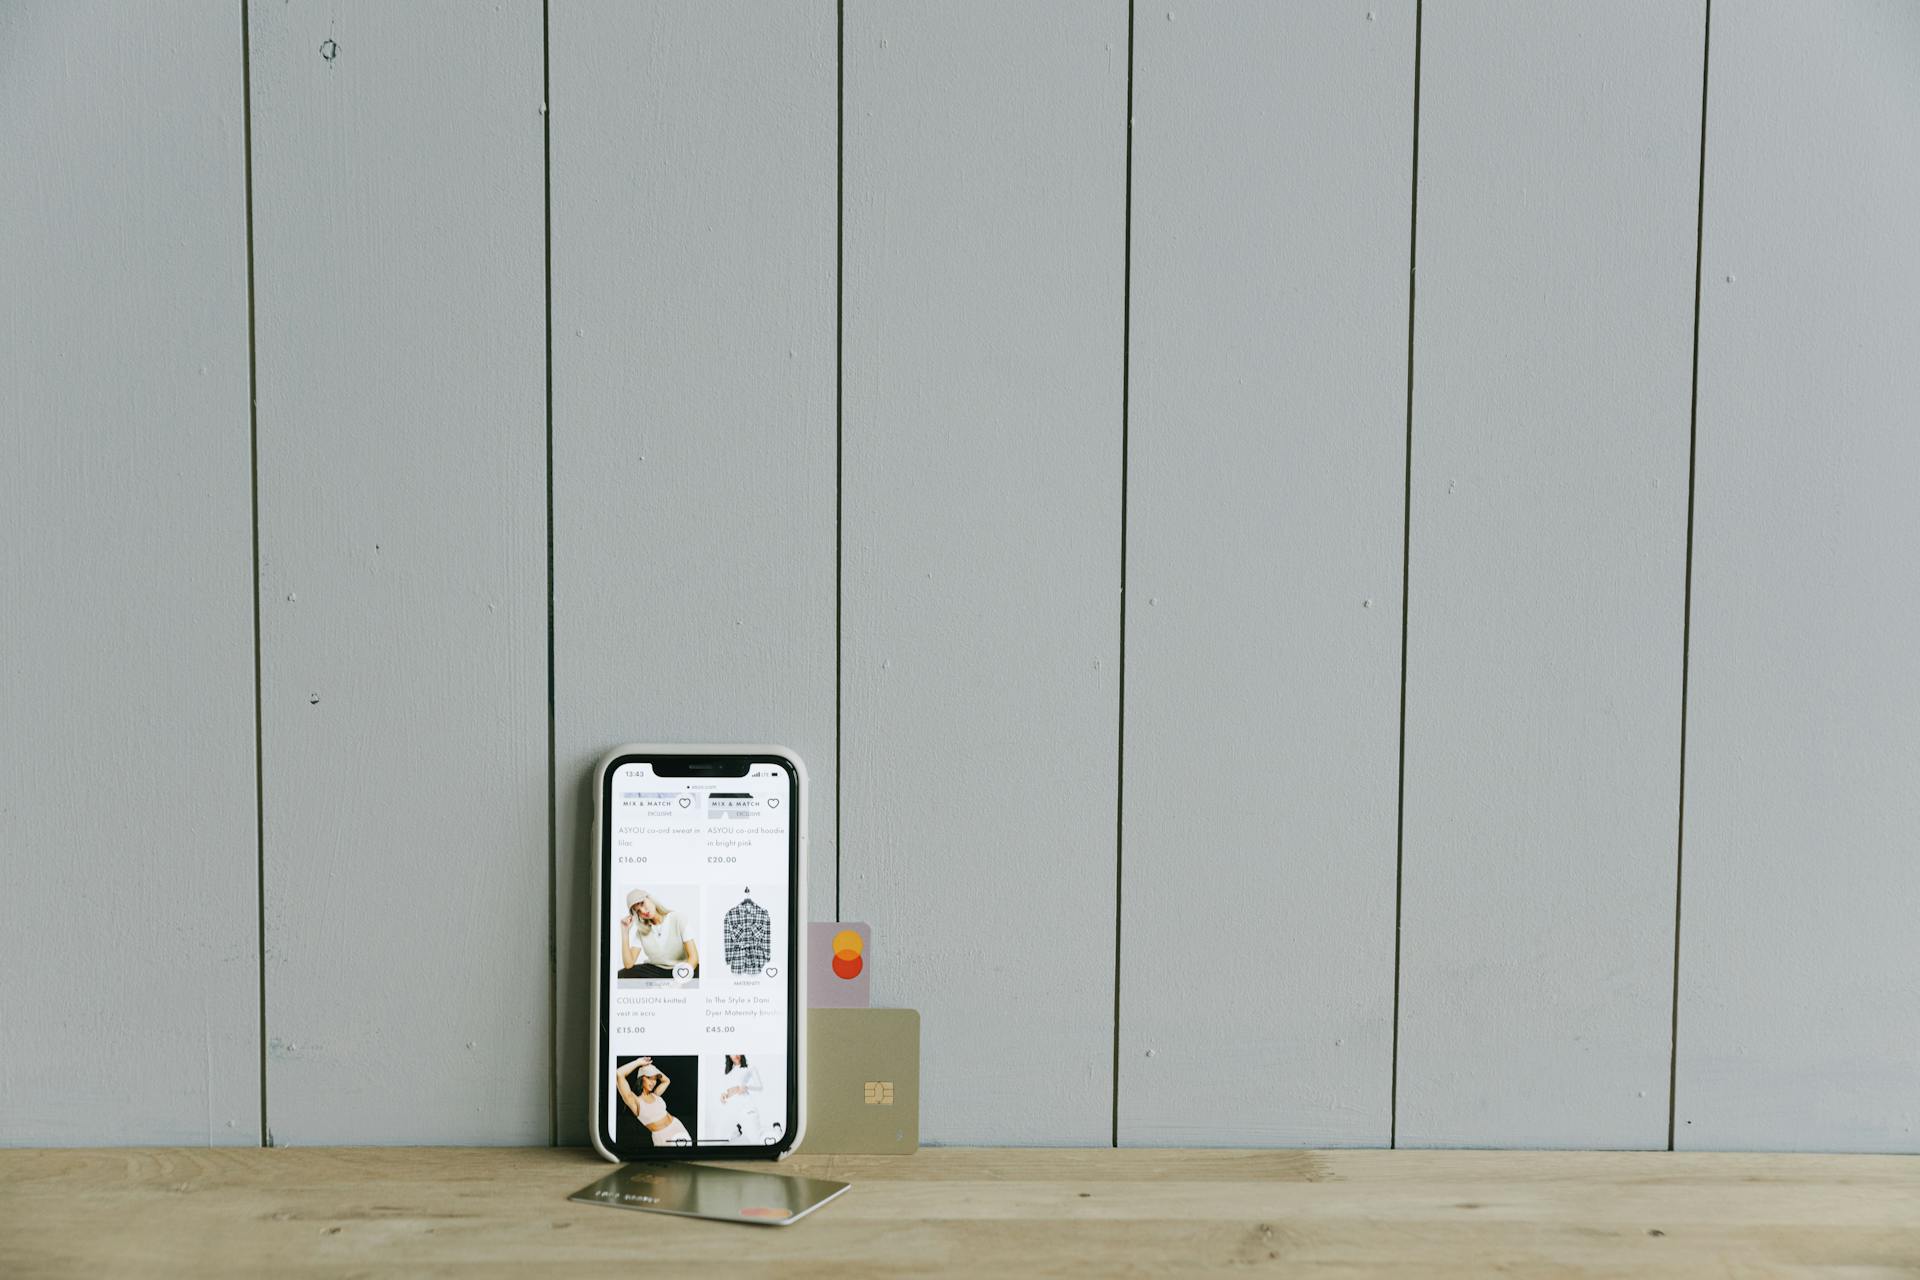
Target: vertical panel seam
x=1120, y=739
x=253, y=467
x=1406, y=577
x=1686, y=621
x=553, y=777
x=839, y=406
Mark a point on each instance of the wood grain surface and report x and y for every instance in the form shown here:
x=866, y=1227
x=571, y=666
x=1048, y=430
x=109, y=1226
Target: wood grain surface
x=446, y=1211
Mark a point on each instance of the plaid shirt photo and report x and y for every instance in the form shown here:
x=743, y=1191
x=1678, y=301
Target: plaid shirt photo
x=747, y=937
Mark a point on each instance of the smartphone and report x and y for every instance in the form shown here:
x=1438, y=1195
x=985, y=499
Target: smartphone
x=699, y=906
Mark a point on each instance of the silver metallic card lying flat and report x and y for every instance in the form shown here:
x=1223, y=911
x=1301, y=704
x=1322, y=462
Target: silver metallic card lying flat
x=709, y=1191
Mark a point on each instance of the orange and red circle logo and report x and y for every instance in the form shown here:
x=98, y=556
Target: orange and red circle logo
x=846, y=954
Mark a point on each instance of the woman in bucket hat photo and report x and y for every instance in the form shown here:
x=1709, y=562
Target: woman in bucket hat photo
x=656, y=940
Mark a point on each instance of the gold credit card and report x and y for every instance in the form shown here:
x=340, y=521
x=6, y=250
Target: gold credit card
x=709, y=1191
x=863, y=1082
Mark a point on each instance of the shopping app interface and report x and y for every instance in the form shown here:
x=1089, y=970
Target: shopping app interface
x=696, y=962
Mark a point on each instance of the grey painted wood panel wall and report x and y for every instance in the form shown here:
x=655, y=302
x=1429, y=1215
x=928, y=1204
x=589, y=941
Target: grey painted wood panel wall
x=1799, y=960
x=1559, y=161
x=129, y=995
x=400, y=357
x=1048, y=392
x=693, y=413
x=1265, y=488
x=982, y=354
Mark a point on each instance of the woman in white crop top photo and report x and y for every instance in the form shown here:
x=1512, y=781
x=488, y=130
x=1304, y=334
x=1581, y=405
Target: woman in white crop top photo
x=649, y=1105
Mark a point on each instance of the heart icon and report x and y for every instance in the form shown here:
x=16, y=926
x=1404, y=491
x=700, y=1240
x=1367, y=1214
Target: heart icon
x=685, y=801
x=773, y=802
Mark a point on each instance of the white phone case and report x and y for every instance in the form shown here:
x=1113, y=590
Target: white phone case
x=797, y=1071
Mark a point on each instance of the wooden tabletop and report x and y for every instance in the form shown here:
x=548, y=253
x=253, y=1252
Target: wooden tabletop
x=433, y=1211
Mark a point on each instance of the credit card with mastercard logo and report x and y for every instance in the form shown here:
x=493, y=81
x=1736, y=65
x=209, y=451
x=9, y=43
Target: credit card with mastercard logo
x=839, y=964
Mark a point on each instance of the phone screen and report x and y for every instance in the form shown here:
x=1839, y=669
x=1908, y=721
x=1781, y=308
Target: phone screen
x=698, y=1034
